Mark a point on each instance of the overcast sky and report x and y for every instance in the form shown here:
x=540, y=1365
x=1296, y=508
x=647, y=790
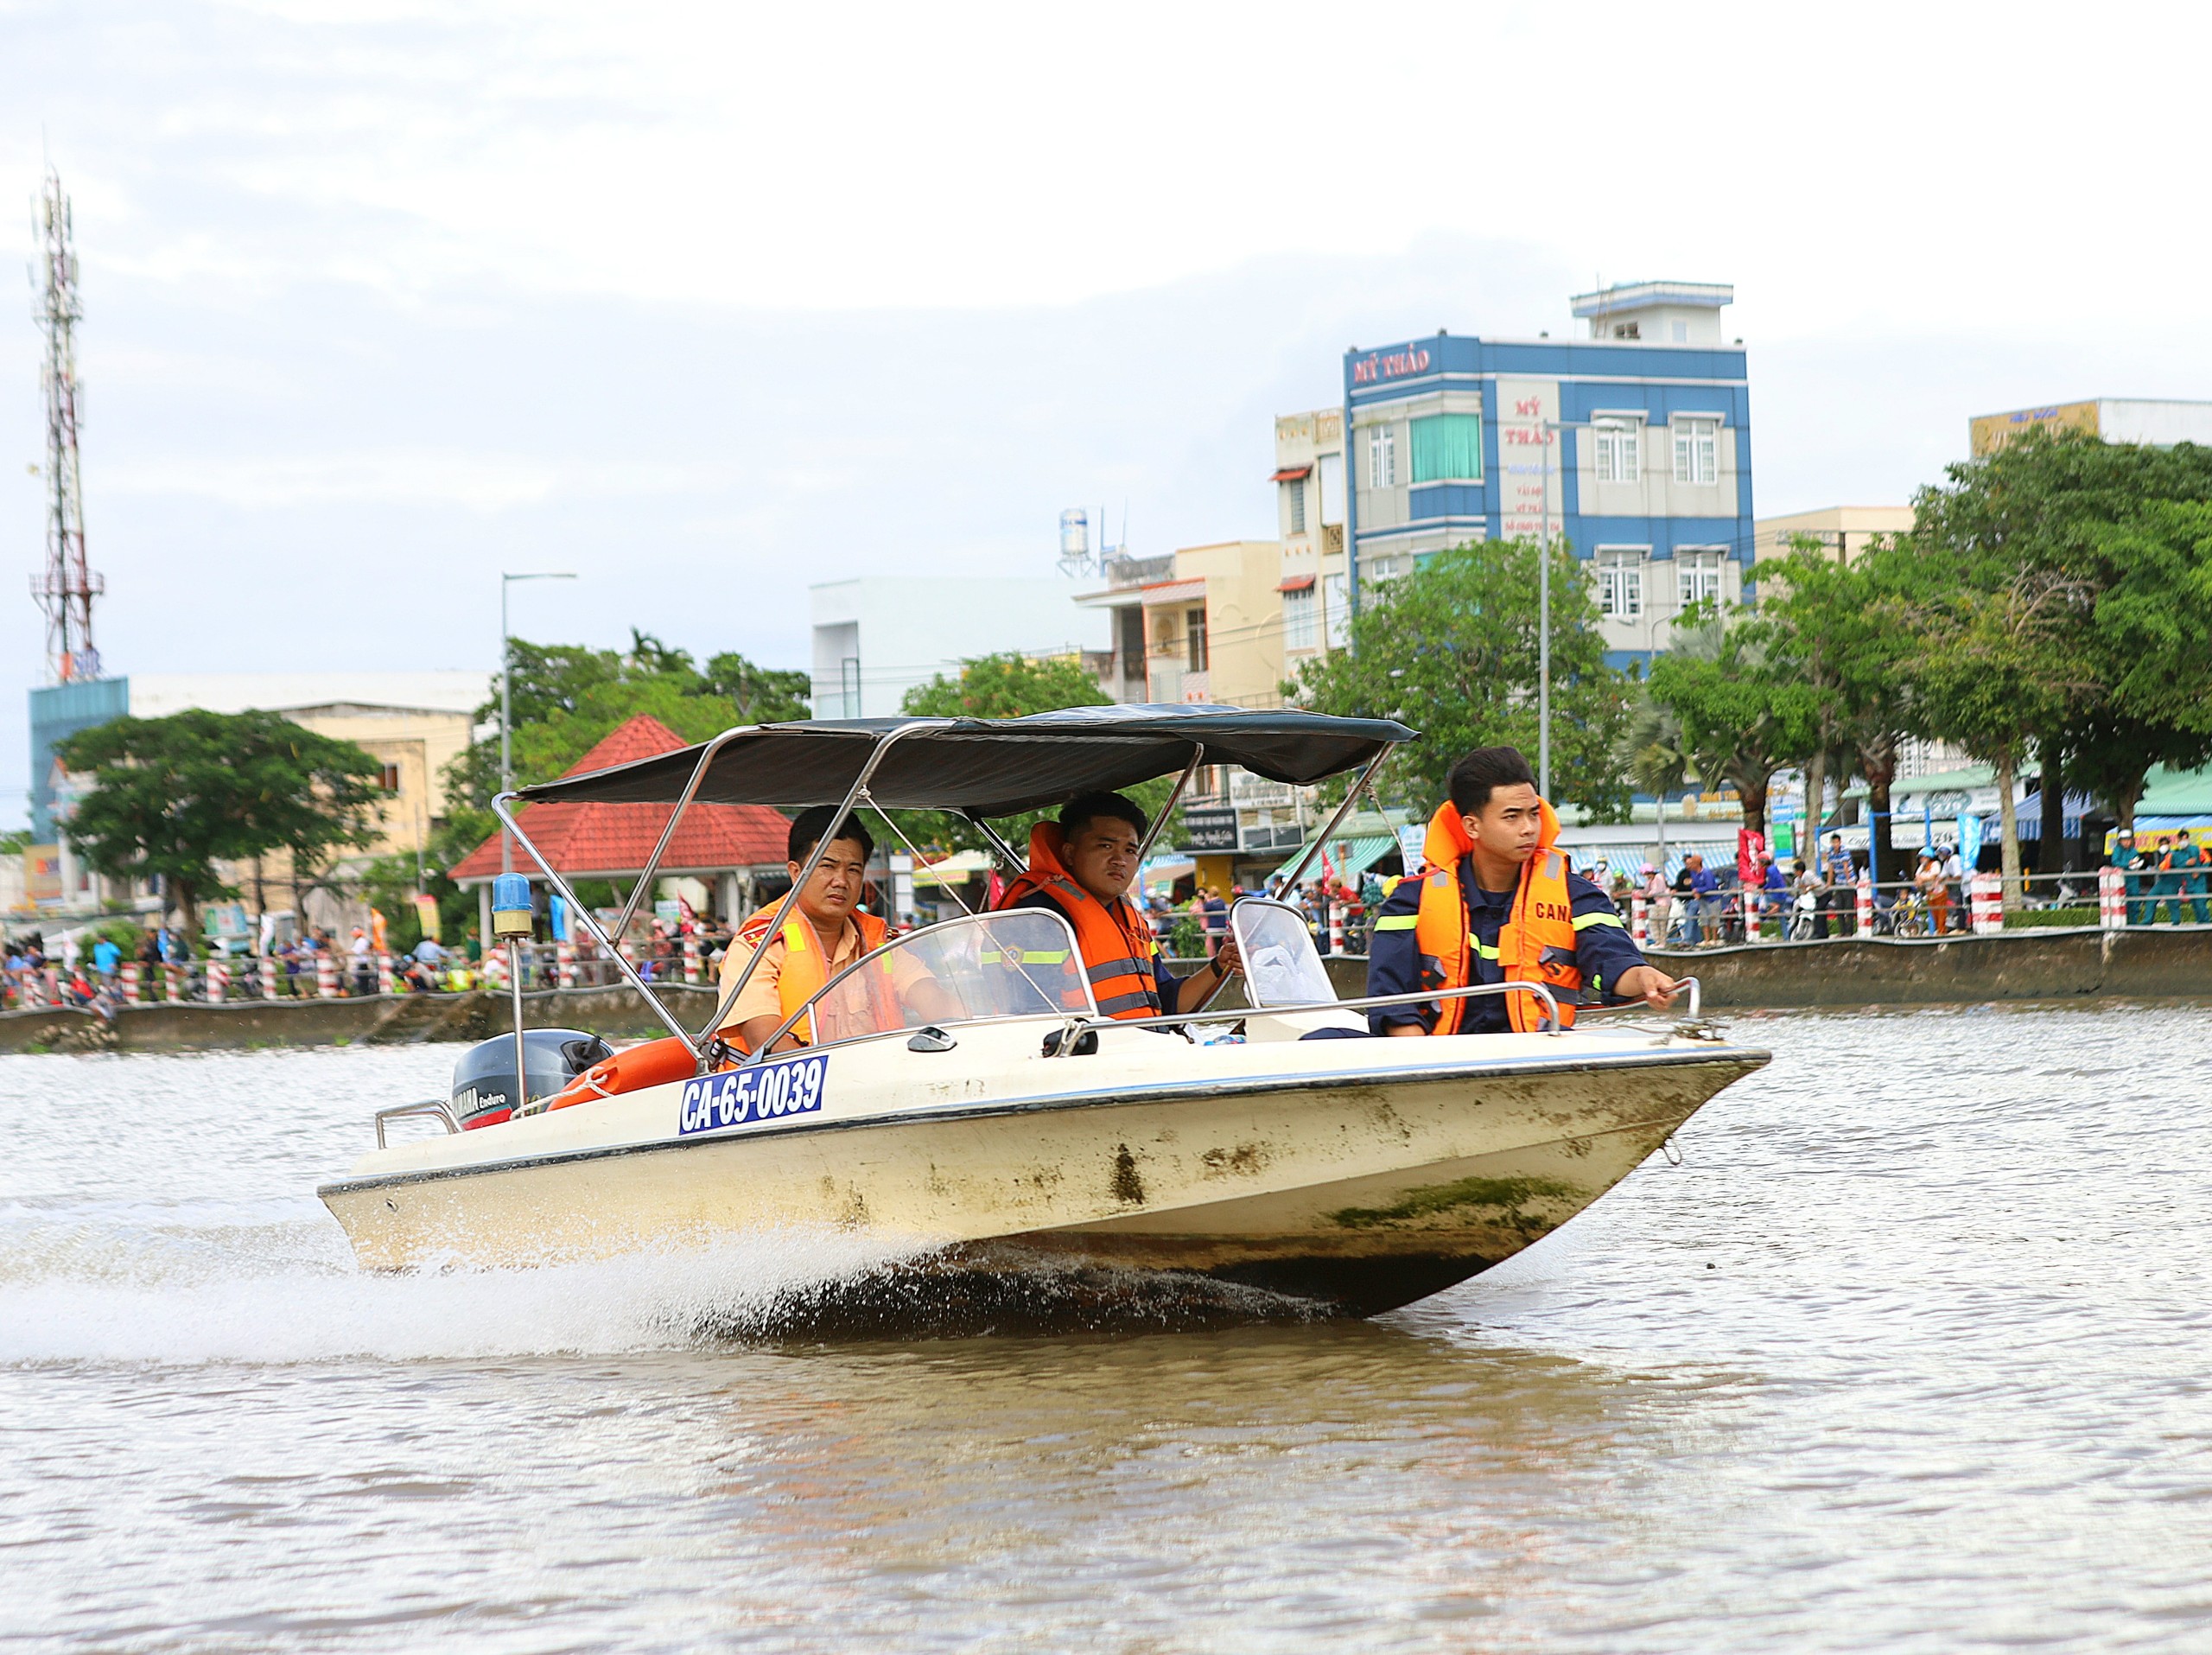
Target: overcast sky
x=706, y=303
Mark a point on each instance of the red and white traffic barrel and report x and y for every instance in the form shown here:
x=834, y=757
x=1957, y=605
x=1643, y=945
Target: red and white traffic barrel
x=2112, y=898
x=386, y=983
x=1864, y=911
x=691, y=959
x=1639, y=920
x=218, y=982
x=326, y=976
x=564, y=961
x=1988, y=904
x=132, y=994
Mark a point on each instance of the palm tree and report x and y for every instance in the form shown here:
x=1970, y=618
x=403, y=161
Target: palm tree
x=1656, y=756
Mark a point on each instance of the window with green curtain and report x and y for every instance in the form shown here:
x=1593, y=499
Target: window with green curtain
x=1448, y=448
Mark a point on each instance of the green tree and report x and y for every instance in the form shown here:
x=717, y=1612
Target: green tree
x=1452, y=650
x=762, y=695
x=173, y=797
x=1825, y=624
x=567, y=698
x=1744, y=714
x=2150, y=619
x=1009, y=686
x=1655, y=755
x=2123, y=529
x=1993, y=668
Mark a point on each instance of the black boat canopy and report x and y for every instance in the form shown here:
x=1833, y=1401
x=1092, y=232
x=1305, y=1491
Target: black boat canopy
x=993, y=766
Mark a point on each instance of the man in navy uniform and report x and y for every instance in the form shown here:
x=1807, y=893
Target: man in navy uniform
x=1495, y=904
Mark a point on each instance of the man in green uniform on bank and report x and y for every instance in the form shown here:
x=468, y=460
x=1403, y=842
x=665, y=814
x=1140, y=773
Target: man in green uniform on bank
x=2185, y=867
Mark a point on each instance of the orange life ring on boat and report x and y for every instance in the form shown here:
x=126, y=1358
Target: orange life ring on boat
x=654, y=1064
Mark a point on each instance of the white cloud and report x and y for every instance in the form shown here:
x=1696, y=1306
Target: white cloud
x=474, y=482
x=709, y=302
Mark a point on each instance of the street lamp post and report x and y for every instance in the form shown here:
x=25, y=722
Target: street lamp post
x=507, y=707
x=1544, y=621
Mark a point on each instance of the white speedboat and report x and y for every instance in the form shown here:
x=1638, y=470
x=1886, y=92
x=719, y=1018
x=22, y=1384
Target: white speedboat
x=1028, y=1134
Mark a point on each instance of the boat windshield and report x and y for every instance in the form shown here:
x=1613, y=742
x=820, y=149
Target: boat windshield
x=1019, y=963
x=1281, y=965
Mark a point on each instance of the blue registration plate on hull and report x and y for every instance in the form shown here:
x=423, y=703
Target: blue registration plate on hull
x=760, y=1092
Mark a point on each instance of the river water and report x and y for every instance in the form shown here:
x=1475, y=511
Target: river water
x=1911, y=1353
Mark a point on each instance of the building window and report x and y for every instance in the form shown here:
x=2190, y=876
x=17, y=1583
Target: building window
x=1620, y=445
x=1194, y=639
x=1381, y=457
x=1620, y=581
x=1338, y=602
x=390, y=779
x=1697, y=576
x=1697, y=450
x=1302, y=620
x=1448, y=448
x=1294, y=495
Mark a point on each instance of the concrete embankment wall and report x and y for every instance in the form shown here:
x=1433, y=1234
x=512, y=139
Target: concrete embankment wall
x=2033, y=964
x=246, y=1025
x=2026, y=964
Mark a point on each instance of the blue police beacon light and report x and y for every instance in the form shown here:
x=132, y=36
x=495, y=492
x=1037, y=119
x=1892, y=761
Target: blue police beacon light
x=511, y=914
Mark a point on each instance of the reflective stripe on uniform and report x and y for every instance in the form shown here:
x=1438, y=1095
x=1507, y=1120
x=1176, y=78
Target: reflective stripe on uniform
x=1397, y=922
x=1584, y=921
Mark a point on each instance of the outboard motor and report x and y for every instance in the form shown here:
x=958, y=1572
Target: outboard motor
x=484, y=1079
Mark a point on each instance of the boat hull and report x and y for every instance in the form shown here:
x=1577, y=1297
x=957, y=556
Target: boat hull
x=1350, y=1190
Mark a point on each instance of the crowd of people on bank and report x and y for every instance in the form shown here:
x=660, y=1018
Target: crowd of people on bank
x=2168, y=879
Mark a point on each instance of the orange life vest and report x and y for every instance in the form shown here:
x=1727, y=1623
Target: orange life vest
x=1536, y=945
x=806, y=968
x=1118, y=948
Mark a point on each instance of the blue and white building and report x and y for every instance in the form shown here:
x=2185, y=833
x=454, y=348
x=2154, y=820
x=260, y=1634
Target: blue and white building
x=1634, y=443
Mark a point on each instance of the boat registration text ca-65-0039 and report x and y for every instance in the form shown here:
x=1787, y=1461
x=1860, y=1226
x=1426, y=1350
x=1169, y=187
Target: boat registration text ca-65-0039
x=758, y=1092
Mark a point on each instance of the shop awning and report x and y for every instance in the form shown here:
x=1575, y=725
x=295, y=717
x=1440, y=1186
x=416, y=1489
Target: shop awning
x=1162, y=875
x=1296, y=583
x=1358, y=856
x=1291, y=473
x=2175, y=792
x=955, y=869
x=1176, y=592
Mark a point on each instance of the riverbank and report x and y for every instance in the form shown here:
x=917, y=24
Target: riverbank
x=2042, y=964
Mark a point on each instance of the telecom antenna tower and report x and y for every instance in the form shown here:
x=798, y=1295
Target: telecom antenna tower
x=67, y=586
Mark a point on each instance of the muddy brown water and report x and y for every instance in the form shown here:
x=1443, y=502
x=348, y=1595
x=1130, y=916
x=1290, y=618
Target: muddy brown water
x=1910, y=1353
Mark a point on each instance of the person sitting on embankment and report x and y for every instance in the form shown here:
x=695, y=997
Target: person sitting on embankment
x=1498, y=904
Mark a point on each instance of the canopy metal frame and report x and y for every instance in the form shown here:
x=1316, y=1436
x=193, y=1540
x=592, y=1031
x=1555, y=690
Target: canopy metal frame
x=856, y=795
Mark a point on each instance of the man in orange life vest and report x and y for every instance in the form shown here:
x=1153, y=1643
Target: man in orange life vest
x=1498, y=904
x=825, y=932
x=1082, y=867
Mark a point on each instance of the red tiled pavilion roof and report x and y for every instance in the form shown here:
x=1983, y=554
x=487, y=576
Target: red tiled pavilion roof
x=598, y=841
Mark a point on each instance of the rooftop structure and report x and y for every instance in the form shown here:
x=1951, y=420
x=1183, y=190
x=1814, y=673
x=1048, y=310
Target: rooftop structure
x=729, y=847
x=878, y=637
x=1657, y=313
x=2116, y=419
x=1844, y=531
x=1634, y=449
